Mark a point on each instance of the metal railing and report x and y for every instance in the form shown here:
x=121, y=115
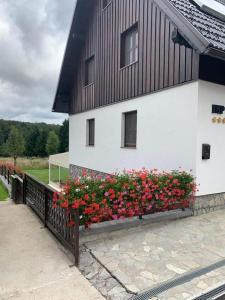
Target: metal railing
x=8, y=172
x=39, y=197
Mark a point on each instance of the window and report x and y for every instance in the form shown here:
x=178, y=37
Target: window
x=129, y=46
x=130, y=129
x=90, y=70
x=91, y=132
x=105, y=3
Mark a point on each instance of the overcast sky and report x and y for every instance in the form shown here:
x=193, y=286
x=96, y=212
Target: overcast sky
x=32, y=43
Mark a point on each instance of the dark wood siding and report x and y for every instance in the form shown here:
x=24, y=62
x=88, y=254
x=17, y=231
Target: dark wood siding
x=161, y=63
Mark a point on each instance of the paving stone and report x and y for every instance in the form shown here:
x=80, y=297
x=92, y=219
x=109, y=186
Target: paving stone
x=147, y=256
x=175, y=269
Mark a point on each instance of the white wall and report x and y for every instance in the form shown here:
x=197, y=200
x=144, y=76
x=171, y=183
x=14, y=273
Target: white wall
x=210, y=173
x=166, y=133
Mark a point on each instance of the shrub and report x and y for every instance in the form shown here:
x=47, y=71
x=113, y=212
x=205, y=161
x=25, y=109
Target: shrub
x=120, y=196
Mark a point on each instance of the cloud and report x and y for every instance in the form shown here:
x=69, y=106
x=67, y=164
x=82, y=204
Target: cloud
x=32, y=42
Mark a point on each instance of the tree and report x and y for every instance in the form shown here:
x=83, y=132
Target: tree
x=32, y=142
x=40, y=147
x=15, y=143
x=52, y=145
x=64, y=137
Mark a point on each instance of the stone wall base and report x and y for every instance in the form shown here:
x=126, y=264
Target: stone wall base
x=207, y=203
x=76, y=171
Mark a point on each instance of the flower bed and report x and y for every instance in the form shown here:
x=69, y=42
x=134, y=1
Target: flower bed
x=6, y=166
x=11, y=167
x=130, y=194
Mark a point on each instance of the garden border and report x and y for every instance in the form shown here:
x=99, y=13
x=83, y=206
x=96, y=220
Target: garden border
x=102, y=230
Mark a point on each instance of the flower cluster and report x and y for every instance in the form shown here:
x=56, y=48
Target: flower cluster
x=134, y=193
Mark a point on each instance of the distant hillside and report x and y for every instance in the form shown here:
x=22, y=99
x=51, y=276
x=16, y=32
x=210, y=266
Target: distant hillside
x=35, y=135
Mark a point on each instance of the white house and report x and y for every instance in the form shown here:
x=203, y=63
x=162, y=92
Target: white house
x=144, y=84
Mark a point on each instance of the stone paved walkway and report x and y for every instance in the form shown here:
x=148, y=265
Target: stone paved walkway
x=149, y=255
x=33, y=265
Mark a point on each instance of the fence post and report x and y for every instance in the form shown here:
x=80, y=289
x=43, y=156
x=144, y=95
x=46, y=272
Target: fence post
x=46, y=207
x=76, y=237
x=24, y=189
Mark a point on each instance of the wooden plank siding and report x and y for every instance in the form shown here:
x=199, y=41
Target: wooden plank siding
x=161, y=63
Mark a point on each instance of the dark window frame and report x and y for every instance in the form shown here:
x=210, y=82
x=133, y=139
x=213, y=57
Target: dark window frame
x=106, y=3
x=128, y=140
x=91, y=132
x=129, y=46
x=89, y=78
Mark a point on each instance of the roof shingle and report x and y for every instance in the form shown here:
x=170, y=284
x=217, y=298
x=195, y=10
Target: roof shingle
x=209, y=26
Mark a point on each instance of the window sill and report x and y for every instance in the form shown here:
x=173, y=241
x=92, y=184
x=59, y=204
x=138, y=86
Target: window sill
x=90, y=146
x=126, y=147
x=127, y=66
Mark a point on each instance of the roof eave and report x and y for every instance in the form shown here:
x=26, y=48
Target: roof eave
x=55, y=106
x=216, y=53
x=73, y=46
x=187, y=30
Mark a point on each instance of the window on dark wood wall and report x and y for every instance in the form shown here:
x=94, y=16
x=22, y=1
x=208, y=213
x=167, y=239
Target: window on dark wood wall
x=130, y=129
x=90, y=70
x=105, y=3
x=129, y=46
x=91, y=132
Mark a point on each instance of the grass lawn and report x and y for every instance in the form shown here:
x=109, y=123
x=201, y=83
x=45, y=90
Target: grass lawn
x=3, y=193
x=38, y=168
x=42, y=174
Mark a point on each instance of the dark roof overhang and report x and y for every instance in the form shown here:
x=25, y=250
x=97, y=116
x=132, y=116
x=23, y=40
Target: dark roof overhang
x=189, y=32
x=216, y=53
x=74, y=44
x=185, y=28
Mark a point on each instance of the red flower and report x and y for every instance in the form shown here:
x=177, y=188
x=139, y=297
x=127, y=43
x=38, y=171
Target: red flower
x=86, y=197
x=76, y=204
x=71, y=223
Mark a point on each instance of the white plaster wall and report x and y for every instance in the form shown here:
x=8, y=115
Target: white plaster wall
x=210, y=173
x=166, y=133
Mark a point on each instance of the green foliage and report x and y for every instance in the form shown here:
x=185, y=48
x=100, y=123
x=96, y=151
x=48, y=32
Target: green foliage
x=3, y=193
x=15, y=143
x=64, y=137
x=43, y=174
x=52, y=145
x=35, y=136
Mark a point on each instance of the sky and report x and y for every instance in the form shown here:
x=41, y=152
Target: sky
x=33, y=37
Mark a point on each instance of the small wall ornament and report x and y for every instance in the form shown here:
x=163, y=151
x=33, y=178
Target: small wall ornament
x=219, y=120
x=214, y=119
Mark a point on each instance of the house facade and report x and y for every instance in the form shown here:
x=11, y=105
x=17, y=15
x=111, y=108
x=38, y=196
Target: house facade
x=143, y=82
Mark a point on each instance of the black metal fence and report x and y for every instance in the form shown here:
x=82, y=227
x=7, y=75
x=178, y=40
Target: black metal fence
x=39, y=197
x=17, y=193
x=6, y=173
